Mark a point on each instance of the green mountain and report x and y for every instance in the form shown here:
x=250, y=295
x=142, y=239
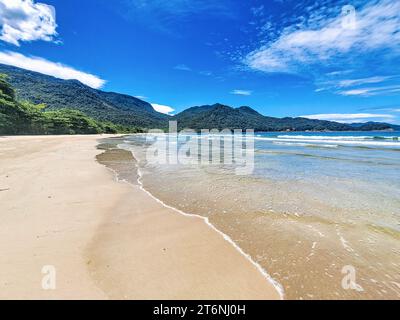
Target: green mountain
x=17, y=118
x=220, y=116
x=370, y=126
x=71, y=94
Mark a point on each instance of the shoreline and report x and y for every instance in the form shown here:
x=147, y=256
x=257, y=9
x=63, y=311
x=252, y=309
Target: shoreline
x=107, y=239
x=278, y=287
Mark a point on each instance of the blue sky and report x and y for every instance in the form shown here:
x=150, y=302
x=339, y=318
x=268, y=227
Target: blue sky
x=322, y=59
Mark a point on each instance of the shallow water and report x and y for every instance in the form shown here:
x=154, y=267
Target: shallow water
x=315, y=206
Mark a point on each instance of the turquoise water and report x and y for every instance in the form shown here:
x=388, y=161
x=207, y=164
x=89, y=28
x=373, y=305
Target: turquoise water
x=314, y=204
x=365, y=163
x=331, y=154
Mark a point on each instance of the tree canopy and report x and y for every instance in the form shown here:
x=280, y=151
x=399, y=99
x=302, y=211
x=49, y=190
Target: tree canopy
x=23, y=118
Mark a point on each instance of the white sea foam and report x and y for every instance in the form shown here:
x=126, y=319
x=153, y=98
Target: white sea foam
x=297, y=144
x=310, y=141
x=264, y=273
x=323, y=140
x=345, y=138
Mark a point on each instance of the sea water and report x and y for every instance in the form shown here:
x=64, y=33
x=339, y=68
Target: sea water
x=320, y=212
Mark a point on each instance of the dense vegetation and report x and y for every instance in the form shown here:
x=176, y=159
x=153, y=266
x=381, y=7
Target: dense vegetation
x=219, y=117
x=373, y=126
x=71, y=94
x=26, y=118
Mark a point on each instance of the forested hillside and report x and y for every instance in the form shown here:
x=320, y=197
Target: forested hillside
x=220, y=116
x=71, y=94
x=18, y=118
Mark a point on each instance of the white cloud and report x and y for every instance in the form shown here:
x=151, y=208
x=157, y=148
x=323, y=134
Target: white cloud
x=357, y=82
x=162, y=108
x=141, y=97
x=325, y=39
x=242, y=92
x=352, y=117
x=339, y=73
x=206, y=73
x=25, y=20
x=54, y=69
x=355, y=92
x=372, y=91
x=339, y=86
x=182, y=67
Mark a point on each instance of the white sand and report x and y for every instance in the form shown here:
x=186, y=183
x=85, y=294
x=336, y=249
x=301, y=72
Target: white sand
x=106, y=239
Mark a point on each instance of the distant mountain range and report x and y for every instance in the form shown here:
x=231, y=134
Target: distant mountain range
x=130, y=111
x=219, y=116
x=369, y=126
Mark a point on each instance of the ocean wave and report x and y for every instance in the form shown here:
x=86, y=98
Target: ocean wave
x=340, y=138
x=311, y=145
x=322, y=140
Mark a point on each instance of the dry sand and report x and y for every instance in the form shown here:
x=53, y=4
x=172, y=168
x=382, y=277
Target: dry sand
x=106, y=239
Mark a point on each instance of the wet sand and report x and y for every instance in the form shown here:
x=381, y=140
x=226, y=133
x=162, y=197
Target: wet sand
x=317, y=235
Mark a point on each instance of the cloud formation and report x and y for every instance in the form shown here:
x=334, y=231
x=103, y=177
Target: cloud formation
x=242, y=92
x=141, y=97
x=54, y=69
x=25, y=20
x=351, y=118
x=328, y=40
x=371, y=91
x=356, y=87
x=357, y=82
x=182, y=67
x=162, y=108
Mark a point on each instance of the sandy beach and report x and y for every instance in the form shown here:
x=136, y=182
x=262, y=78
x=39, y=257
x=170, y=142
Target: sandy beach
x=105, y=238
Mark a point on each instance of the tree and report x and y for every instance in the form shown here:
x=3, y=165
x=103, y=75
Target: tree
x=26, y=118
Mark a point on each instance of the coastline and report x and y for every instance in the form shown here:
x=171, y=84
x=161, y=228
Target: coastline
x=206, y=220
x=318, y=223
x=106, y=239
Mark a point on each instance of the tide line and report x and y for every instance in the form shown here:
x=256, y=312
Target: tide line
x=264, y=273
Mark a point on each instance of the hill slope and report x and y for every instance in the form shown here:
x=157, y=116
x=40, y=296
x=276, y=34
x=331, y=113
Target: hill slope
x=220, y=116
x=71, y=94
x=18, y=118
x=375, y=126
